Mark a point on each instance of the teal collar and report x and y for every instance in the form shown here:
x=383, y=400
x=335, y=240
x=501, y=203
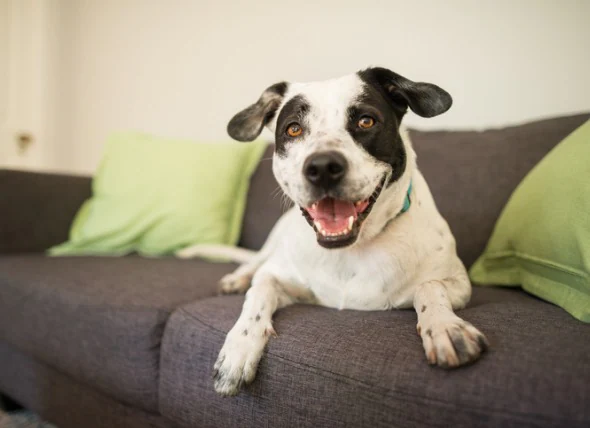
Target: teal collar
x=407, y=201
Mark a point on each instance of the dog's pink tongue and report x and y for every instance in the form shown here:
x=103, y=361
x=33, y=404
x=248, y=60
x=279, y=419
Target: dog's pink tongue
x=333, y=214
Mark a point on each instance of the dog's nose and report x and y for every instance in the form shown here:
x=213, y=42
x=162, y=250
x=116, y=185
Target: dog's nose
x=325, y=169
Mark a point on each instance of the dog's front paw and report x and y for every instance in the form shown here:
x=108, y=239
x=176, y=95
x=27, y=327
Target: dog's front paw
x=452, y=343
x=237, y=363
x=234, y=283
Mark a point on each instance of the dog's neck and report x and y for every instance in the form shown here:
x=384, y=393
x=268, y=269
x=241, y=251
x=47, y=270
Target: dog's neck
x=393, y=205
x=392, y=201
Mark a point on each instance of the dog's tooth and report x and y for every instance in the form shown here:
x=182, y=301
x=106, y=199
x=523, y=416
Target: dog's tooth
x=350, y=222
x=314, y=206
x=319, y=227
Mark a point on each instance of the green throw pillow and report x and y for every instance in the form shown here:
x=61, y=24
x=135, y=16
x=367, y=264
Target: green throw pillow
x=542, y=239
x=154, y=196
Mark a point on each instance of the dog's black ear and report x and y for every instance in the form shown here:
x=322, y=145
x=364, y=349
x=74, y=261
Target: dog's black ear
x=248, y=124
x=425, y=99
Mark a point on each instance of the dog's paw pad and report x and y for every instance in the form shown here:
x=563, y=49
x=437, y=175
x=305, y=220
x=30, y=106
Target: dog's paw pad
x=236, y=365
x=234, y=284
x=452, y=343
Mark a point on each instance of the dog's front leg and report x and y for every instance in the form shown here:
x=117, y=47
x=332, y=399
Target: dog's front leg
x=245, y=342
x=448, y=340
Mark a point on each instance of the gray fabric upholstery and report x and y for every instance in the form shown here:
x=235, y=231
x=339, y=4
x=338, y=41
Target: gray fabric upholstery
x=472, y=174
x=99, y=320
x=65, y=401
x=36, y=209
x=334, y=368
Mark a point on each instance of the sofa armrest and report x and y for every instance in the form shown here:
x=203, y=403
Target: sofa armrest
x=36, y=209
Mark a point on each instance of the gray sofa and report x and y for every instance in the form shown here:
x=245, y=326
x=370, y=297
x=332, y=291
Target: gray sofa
x=130, y=342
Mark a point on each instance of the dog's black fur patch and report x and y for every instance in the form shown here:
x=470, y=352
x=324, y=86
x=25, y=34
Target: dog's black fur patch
x=383, y=140
x=386, y=98
x=249, y=123
x=294, y=110
x=425, y=99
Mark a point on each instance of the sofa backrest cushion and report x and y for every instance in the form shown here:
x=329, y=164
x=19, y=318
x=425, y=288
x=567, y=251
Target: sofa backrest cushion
x=264, y=205
x=470, y=173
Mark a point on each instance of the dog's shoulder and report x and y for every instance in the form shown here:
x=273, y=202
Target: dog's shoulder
x=419, y=233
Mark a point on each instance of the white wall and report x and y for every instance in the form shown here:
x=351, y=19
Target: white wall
x=27, y=63
x=184, y=67
x=5, y=12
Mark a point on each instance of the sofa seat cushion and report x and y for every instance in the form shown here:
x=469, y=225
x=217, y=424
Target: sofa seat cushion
x=99, y=320
x=348, y=368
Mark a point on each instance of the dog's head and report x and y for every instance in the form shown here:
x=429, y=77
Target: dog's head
x=338, y=144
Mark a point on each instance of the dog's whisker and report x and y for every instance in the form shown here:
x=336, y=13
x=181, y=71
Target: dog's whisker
x=285, y=202
x=277, y=192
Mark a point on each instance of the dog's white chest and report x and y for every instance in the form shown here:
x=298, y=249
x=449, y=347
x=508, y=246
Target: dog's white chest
x=363, y=279
x=361, y=284
x=346, y=284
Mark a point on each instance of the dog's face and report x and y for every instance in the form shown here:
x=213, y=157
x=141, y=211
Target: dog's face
x=338, y=143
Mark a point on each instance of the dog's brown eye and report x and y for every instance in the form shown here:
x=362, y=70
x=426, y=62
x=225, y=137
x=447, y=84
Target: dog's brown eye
x=294, y=130
x=366, y=122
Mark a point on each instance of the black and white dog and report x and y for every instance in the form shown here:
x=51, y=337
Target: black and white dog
x=365, y=232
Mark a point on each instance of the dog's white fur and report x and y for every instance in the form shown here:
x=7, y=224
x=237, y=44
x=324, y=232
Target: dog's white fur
x=397, y=261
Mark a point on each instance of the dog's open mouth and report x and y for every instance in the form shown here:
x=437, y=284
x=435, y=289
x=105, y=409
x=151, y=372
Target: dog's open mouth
x=338, y=222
